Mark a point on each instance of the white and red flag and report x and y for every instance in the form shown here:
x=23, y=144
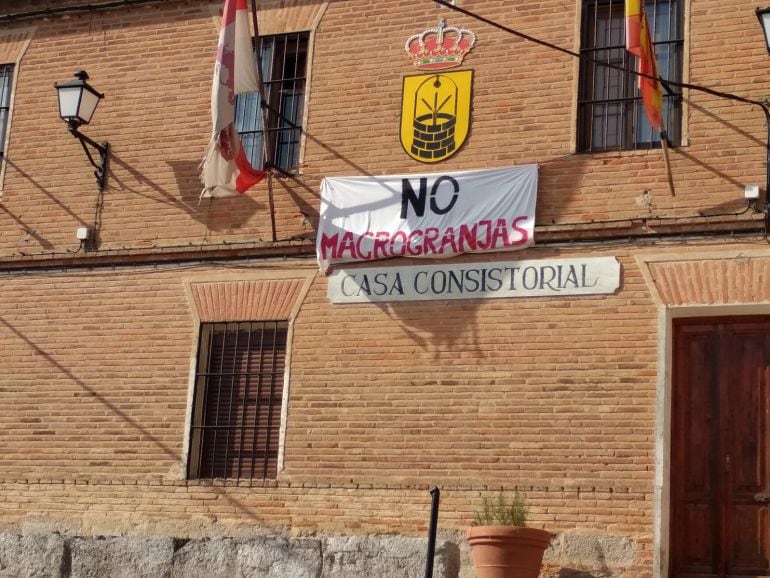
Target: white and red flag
x=226, y=170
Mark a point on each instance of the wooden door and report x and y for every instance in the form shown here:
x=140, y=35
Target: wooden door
x=720, y=484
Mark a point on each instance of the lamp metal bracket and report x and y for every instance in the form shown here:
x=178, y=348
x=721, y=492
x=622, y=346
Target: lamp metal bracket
x=103, y=149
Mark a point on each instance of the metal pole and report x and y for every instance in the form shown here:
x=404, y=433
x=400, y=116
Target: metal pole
x=435, y=494
x=267, y=151
x=767, y=171
x=267, y=146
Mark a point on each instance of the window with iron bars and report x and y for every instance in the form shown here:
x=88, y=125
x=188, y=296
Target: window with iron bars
x=610, y=110
x=284, y=71
x=6, y=81
x=236, y=416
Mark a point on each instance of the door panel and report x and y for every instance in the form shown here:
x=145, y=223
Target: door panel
x=694, y=450
x=698, y=522
x=720, y=487
x=745, y=432
x=749, y=554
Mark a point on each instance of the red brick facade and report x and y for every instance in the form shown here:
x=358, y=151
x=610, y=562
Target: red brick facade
x=558, y=396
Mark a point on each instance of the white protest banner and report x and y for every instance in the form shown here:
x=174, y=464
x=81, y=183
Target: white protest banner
x=426, y=215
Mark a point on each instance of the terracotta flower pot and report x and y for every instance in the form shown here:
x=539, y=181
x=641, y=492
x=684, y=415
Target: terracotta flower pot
x=507, y=551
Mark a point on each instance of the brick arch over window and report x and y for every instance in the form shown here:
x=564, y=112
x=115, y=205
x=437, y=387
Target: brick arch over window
x=243, y=300
x=13, y=44
x=282, y=16
x=721, y=281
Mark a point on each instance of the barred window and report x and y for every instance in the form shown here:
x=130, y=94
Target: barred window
x=610, y=110
x=6, y=79
x=284, y=70
x=237, y=400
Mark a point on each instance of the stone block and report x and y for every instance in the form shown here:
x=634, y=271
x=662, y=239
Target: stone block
x=385, y=557
x=206, y=558
x=591, y=551
x=31, y=556
x=279, y=558
x=121, y=557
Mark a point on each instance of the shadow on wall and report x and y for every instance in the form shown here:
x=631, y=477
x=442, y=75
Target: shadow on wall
x=46, y=192
x=427, y=324
x=227, y=213
x=187, y=200
x=717, y=118
x=309, y=215
x=91, y=393
x=216, y=214
x=28, y=233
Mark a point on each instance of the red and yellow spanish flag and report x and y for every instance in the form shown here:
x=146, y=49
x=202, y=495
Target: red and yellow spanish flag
x=639, y=43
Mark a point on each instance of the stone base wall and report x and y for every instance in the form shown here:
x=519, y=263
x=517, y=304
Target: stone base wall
x=60, y=556
x=57, y=556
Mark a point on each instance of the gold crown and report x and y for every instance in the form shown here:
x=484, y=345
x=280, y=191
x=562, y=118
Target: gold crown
x=440, y=47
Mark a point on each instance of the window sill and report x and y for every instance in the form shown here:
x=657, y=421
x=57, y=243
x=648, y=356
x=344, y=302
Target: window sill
x=627, y=152
x=224, y=483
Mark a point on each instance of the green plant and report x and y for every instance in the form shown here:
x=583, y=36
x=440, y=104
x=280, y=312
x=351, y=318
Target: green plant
x=501, y=512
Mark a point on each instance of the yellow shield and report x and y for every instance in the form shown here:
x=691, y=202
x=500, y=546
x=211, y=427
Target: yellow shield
x=435, y=114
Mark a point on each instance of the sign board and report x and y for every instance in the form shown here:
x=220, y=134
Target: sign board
x=505, y=279
x=426, y=215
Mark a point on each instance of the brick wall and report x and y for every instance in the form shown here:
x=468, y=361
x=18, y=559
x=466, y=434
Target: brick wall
x=554, y=396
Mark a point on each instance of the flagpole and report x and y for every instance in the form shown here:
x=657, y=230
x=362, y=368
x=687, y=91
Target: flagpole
x=260, y=83
x=266, y=145
x=669, y=174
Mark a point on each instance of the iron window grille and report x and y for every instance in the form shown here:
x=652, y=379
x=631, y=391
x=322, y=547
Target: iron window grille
x=284, y=72
x=610, y=110
x=6, y=81
x=237, y=400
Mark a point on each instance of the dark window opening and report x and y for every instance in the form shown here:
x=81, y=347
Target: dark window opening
x=237, y=401
x=284, y=71
x=610, y=110
x=6, y=80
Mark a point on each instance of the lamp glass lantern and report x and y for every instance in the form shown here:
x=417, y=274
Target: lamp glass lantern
x=764, y=19
x=77, y=100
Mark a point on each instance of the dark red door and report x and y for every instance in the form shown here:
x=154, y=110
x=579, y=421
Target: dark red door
x=720, y=487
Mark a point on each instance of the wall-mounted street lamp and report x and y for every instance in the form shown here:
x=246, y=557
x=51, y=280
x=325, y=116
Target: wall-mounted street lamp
x=77, y=103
